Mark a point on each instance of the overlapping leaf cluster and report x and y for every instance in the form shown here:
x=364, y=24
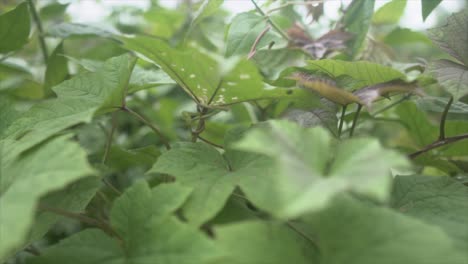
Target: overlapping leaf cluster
x=172, y=139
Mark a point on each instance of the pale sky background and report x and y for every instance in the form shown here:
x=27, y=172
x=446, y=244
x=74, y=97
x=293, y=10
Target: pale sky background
x=91, y=11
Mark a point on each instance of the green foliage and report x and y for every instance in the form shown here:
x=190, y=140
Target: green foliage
x=14, y=28
x=390, y=13
x=195, y=135
x=243, y=32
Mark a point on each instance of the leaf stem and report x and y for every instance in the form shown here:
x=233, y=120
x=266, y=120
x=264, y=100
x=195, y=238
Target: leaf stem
x=294, y=3
x=340, y=125
x=437, y=144
x=41, y=38
x=443, y=118
x=147, y=123
x=385, y=108
x=253, y=50
x=356, y=117
x=210, y=142
x=201, y=123
x=273, y=24
x=110, y=136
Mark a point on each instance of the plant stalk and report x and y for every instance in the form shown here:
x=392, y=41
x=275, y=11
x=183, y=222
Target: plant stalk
x=443, y=118
x=41, y=38
x=151, y=126
x=356, y=117
x=340, y=125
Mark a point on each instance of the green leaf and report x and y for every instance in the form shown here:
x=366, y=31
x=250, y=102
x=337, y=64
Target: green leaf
x=355, y=232
x=203, y=168
x=207, y=8
x=356, y=20
x=264, y=243
x=312, y=169
x=149, y=234
x=27, y=178
x=428, y=6
x=14, y=28
x=419, y=127
x=315, y=117
x=452, y=76
x=78, y=100
x=439, y=201
x=366, y=73
x=122, y=159
x=452, y=37
x=401, y=36
x=244, y=30
x=57, y=69
x=455, y=128
x=73, y=198
x=207, y=81
x=390, y=13
x=438, y=104
x=67, y=30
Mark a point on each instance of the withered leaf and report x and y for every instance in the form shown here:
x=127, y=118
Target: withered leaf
x=334, y=40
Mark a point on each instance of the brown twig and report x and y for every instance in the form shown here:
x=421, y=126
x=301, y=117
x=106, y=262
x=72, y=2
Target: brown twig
x=82, y=218
x=437, y=144
x=253, y=50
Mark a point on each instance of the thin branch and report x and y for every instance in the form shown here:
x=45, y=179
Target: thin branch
x=210, y=142
x=109, y=138
x=273, y=24
x=111, y=186
x=404, y=98
x=443, y=118
x=201, y=123
x=253, y=50
x=340, y=125
x=356, y=116
x=293, y=3
x=302, y=234
x=437, y=144
x=151, y=126
x=40, y=30
x=82, y=218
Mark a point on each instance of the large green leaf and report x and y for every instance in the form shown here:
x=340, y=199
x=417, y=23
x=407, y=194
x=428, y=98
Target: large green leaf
x=57, y=69
x=244, y=30
x=439, y=201
x=78, y=100
x=312, y=169
x=364, y=72
x=207, y=81
x=402, y=36
x=428, y=6
x=212, y=176
x=453, y=37
x=67, y=30
x=390, y=13
x=356, y=232
x=73, y=198
x=264, y=243
x=356, y=20
x=14, y=28
x=420, y=129
x=26, y=179
x=452, y=76
x=207, y=8
x=142, y=218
